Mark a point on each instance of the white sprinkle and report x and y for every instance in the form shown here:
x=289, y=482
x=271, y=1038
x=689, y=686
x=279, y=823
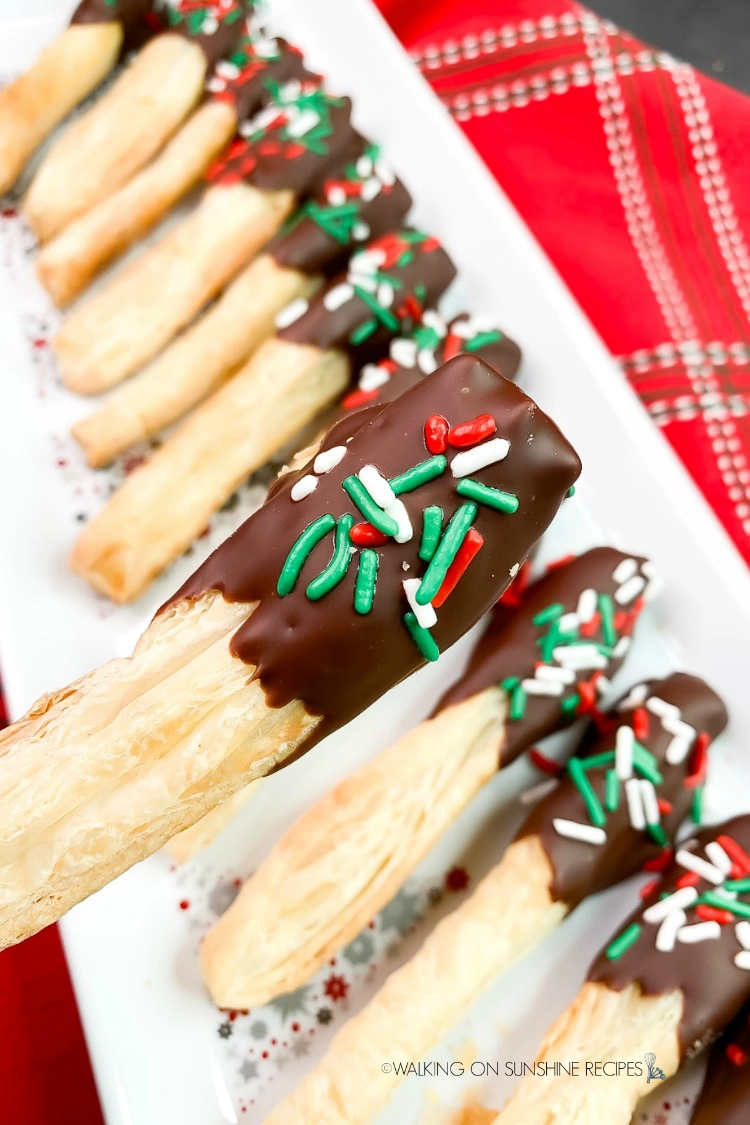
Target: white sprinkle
x=568, y=622
x=303, y=487
x=364, y=166
x=529, y=796
x=661, y=708
x=431, y=318
x=472, y=460
x=624, y=570
x=634, y=698
x=370, y=189
x=678, y=727
x=556, y=675
x=425, y=614
x=373, y=376
x=665, y=938
x=227, y=69
x=403, y=351
x=579, y=657
x=587, y=833
x=336, y=195
x=384, y=173
x=586, y=607
x=426, y=361
x=681, y=899
x=650, y=801
x=603, y=685
x=630, y=590
x=291, y=312
x=742, y=933
x=367, y=261
x=338, y=296
x=677, y=751
x=719, y=857
x=397, y=511
x=377, y=486
x=302, y=123
x=624, y=740
x=692, y=862
x=700, y=931
x=329, y=458
x=542, y=687
x=386, y=295
x=742, y=960
x=514, y=570
x=360, y=232
x=621, y=647
x=405, y=565
x=635, y=804
x=209, y=26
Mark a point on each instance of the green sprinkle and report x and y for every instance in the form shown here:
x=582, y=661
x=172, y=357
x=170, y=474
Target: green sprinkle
x=432, y=528
x=551, y=613
x=300, y=550
x=646, y=764
x=483, y=494
x=446, y=550
x=607, y=611
x=658, y=835
x=715, y=898
x=357, y=492
x=422, y=638
x=571, y=491
x=364, y=586
x=549, y=642
x=696, y=811
x=517, y=703
x=482, y=339
x=339, y=564
x=570, y=703
x=741, y=885
x=623, y=943
x=611, y=791
x=583, y=785
x=597, y=760
x=419, y=474
x=509, y=684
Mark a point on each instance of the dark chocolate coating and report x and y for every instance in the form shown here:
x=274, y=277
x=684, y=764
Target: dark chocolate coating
x=509, y=647
x=714, y=989
x=422, y=278
x=322, y=652
x=127, y=12
x=306, y=246
x=581, y=869
x=248, y=90
x=220, y=43
x=724, y=1098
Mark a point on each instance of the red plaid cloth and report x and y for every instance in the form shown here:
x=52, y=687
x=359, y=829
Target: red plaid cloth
x=632, y=171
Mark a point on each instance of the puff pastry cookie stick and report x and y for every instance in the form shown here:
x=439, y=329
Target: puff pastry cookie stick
x=204, y=356
x=293, y=143
x=674, y=975
x=283, y=635
x=577, y=841
x=70, y=68
x=725, y=1095
x=347, y=855
x=237, y=89
x=128, y=125
x=290, y=379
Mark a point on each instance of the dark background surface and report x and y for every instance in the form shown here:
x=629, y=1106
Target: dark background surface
x=713, y=35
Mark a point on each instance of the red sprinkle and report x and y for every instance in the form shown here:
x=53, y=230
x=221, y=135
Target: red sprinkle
x=436, y=430
x=736, y=853
x=698, y=763
x=591, y=628
x=736, y=1055
x=586, y=698
x=659, y=862
x=640, y=723
x=665, y=806
x=471, y=433
x=712, y=914
x=452, y=346
x=358, y=398
x=547, y=765
x=365, y=535
x=560, y=562
x=689, y=879
x=471, y=546
x=648, y=888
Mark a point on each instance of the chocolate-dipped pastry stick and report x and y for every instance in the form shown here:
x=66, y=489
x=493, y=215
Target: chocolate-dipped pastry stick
x=69, y=262
x=152, y=518
x=204, y=356
x=128, y=125
x=725, y=1094
x=583, y=837
x=672, y=978
x=530, y=675
x=202, y=834
x=294, y=142
x=283, y=635
x=70, y=68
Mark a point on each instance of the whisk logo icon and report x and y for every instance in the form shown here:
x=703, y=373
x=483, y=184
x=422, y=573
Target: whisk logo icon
x=653, y=1071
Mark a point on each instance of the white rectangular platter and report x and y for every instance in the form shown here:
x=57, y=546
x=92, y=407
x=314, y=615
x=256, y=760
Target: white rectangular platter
x=162, y=1054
